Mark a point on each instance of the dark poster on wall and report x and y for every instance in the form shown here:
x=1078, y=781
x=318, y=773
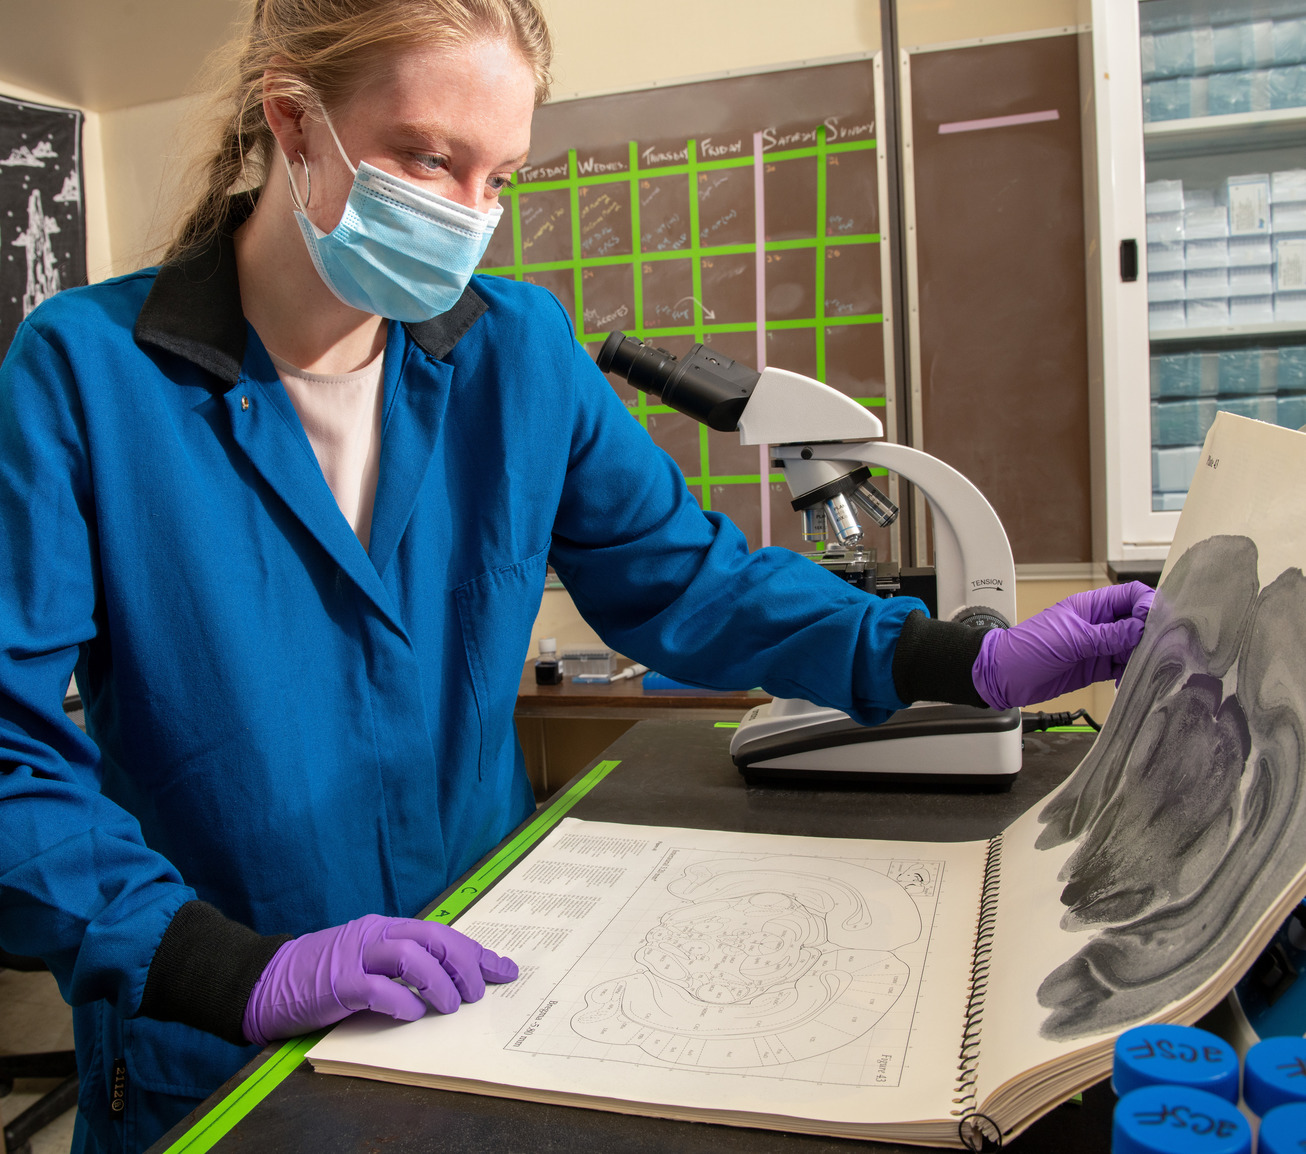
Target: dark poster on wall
x=42, y=208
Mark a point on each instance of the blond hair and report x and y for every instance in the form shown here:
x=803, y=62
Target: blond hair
x=324, y=51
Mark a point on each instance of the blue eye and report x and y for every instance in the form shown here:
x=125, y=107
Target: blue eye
x=432, y=161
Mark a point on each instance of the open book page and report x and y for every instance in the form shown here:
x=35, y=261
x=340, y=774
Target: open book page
x=1173, y=852
x=781, y=976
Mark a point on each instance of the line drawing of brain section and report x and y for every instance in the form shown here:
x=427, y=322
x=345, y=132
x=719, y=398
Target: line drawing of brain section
x=765, y=961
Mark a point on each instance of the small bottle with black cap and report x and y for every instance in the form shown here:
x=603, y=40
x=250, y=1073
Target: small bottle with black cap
x=548, y=669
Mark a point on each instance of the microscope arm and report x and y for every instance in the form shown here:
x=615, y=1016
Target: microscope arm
x=973, y=562
x=822, y=438
x=826, y=443
x=801, y=417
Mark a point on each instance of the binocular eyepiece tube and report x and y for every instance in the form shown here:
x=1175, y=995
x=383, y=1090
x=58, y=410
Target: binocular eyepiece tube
x=705, y=385
x=714, y=389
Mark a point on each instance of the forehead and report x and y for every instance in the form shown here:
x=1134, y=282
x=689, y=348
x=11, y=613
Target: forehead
x=484, y=89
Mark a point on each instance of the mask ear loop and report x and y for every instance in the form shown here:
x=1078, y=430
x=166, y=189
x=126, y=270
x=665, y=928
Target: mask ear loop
x=302, y=205
x=343, y=154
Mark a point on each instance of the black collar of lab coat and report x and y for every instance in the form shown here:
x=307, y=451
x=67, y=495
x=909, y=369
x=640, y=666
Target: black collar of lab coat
x=194, y=309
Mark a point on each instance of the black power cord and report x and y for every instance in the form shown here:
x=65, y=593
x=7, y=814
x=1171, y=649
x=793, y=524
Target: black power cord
x=1037, y=722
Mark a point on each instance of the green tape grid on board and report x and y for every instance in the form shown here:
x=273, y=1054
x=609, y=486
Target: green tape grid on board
x=578, y=273
x=637, y=271
x=218, y=1122
x=822, y=254
x=745, y=161
x=696, y=290
x=707, y=250
x=746, y=327
x=516, y=271
x=697, y=251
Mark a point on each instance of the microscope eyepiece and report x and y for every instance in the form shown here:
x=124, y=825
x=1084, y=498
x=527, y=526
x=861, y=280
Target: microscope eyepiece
x=645, y=367
x=705, y=385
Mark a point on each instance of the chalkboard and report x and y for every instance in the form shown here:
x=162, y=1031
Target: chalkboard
x=710, y=212
x=999, y=213
x=42, y=222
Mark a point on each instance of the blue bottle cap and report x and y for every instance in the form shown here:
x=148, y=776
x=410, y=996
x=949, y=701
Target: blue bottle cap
x=1174, y=1056
x=1177, y=1120
x=1276, y=1073
x=1283, y=1130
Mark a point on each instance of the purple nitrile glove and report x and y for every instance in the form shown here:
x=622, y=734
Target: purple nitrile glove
x=315, y=980
x=1085, y=638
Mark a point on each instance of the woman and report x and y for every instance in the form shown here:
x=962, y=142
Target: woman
x=285, y=506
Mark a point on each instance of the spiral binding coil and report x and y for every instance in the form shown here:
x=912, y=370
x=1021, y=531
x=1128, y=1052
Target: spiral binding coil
x=982, y=952
x=979, y=1133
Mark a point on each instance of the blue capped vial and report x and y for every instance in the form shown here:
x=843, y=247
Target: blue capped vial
x=1174, y=1056
x=1177, y=1120
x=1283, y=1130
x=1275, y=1074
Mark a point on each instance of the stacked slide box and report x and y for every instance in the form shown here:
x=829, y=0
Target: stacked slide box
x=1189, y=388
x=1233, y=65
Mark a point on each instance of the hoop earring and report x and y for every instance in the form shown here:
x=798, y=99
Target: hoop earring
x=308, y=180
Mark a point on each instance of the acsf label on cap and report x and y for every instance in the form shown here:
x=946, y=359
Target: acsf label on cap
x=1276, y=1073
x=1178, y=1120
x=1174, y=1056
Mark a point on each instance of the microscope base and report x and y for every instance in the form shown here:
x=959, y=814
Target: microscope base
x=798, y=743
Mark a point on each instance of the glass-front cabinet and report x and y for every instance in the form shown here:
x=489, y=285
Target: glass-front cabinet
x=1203, y=103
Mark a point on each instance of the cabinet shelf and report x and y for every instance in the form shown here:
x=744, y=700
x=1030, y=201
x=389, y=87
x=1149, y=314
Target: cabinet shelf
x=1201, y=154
x=1227, y=332
x=1238, y=132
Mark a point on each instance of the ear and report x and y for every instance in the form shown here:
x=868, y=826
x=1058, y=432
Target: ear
x=284, y=114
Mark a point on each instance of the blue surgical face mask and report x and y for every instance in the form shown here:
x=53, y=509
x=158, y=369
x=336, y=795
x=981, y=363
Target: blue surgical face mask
x=399, y=251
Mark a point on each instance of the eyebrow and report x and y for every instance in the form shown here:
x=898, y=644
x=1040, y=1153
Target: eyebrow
x=426, y=133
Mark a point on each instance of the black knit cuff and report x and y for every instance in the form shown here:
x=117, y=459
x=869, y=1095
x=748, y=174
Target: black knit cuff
x=204, y=970
x=934, y=659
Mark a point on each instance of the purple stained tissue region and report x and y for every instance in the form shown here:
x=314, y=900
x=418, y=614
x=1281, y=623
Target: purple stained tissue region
x=1188, y=816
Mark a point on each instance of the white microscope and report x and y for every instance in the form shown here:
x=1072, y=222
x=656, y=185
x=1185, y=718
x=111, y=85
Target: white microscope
x=825, y=443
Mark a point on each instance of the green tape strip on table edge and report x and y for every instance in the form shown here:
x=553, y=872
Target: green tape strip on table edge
x=219, y=1121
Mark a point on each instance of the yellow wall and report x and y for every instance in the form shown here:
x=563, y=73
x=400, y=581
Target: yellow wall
x=739, y=34
x=135, y=157
x=132, y=176
x=923, y=22
x=147, y=150
x=619, y=44
x=148, y=146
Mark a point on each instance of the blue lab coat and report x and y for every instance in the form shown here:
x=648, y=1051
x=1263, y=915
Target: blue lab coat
x=281, y=722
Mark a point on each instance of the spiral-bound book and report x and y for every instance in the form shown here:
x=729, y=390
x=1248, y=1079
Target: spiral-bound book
x=935, y=993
